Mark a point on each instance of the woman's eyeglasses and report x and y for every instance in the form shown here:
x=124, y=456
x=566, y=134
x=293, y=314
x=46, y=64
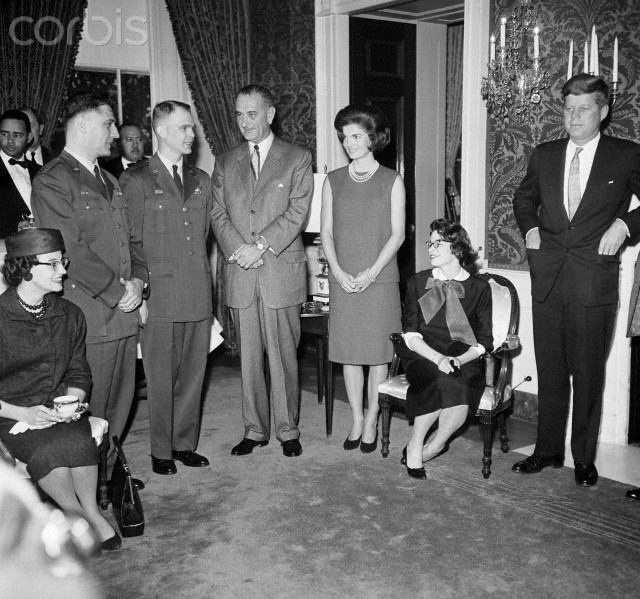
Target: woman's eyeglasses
x=56, y=263
x=436, y=244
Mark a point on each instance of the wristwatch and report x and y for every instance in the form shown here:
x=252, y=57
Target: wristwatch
x=260, y=245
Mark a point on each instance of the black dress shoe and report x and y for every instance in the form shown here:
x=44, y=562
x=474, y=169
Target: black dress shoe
x=586, y=474
x=633, y=494
x=190, y=458
x=535, y=463
x=245, y=447
x=291, y=448
x=112, y=543
x=349, y=444
x=403, y=459
x=160, y=466
x=369, y=447
x=419, y=473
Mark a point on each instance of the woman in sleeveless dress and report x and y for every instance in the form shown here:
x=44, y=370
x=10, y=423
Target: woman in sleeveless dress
x=362, y=228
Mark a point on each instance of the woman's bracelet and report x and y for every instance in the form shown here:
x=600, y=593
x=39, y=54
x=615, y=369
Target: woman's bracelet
x=434, y=356
x=368, y=271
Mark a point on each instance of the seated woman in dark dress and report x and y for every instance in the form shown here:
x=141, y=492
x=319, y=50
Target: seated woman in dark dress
x=42, y=344
x=447, y=326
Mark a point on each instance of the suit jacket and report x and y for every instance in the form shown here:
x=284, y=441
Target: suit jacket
x=538, y=202
x=12, y=206
x=114, y=166
x=174, y=237
x=99, y=240
x=276, y=209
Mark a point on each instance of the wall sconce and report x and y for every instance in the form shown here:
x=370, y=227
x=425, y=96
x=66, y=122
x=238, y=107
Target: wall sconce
x=515, y=79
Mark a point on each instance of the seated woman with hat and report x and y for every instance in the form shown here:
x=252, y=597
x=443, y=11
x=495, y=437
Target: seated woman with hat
x=43, y=357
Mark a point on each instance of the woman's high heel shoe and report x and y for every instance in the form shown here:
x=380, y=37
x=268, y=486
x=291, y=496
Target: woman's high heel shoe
x=112, y=543
x=403, y=459
x=349, y=444
x=419, y=473
x=369, y=447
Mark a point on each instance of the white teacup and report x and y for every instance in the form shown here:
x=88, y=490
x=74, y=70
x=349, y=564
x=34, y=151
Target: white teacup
x=66, y=405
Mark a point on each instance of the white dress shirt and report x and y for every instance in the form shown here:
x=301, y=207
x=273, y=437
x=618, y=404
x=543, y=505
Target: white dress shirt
x=19, y=176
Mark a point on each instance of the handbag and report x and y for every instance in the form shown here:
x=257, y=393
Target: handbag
x=127, y=507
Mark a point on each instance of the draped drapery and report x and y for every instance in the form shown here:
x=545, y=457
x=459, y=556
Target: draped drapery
x=38, y=49
x=455, y=35
x=213, y=43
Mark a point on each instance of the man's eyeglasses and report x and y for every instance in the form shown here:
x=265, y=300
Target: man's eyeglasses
x=436, y=244
x=55, y=263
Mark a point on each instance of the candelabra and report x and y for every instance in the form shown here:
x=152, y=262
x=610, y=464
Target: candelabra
x=515, y=79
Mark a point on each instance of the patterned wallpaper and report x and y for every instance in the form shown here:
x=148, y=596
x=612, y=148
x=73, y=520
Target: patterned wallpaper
x=510, y=146
x=283, y=59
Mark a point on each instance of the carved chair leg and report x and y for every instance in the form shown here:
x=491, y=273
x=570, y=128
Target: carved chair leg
x=486, y=431
x=383, y=402
x=103, y=489
x=502, y=427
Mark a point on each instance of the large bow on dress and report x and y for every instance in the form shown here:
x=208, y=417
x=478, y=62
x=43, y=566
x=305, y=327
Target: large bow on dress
x=448, y=293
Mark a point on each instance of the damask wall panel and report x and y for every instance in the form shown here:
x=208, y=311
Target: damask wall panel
x=509, y=146
x=283, y=59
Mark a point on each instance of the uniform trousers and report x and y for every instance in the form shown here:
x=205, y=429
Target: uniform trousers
x=276, y=332
x=113, y=372
x=174, y=355
x=571, y=345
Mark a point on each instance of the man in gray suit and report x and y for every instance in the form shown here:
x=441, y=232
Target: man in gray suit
x=261, y=196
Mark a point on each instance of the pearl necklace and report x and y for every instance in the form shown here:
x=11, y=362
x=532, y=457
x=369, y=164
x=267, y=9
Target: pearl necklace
x=38, y=310
x=361, y=178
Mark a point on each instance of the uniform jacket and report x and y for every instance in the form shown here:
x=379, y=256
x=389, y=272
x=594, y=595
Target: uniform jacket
x=276, y=209
x=174, y=237
x=12, y=206
x=99, y=240
x=539, y=202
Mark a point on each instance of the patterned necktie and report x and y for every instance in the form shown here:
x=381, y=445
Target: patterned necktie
x=103, y=186
x=177, y=179
x=255, y=162
x=575, y=195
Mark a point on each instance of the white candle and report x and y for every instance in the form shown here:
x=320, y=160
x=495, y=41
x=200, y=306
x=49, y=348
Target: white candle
x=593, y=63
x=570, y=67
x=503, y=31
x=615, y=60
x=586, y=57
x=536, y=42
x=492, y=54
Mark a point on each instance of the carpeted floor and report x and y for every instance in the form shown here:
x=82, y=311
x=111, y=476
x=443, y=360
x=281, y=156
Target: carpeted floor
x=333, y=523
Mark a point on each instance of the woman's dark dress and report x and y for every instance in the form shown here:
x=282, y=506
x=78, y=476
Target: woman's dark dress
x=429, y=388
x=40, y=359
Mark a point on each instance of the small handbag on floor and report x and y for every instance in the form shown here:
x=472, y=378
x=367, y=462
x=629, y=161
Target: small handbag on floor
x=125, y=500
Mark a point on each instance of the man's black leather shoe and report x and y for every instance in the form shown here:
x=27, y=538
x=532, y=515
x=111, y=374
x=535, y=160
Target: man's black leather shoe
x=633, y=494
x=160, y=466
x=245, y=447
x=535, y=463
x=586, y=474
x=190, y=458
x=291, y=448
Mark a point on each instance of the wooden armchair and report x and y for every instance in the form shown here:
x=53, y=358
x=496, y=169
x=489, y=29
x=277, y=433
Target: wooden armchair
x=99, y=428
x=497, y=396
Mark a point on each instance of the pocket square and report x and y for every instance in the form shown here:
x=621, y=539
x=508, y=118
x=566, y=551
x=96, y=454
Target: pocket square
x=610, y=182
x=280, y=185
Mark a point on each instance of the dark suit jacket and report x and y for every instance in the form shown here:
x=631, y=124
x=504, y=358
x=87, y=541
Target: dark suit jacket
x=114, y=166
x=277, y=209
x=12, y=206
x=99, y=240
x=538, y=202
x=174, y=237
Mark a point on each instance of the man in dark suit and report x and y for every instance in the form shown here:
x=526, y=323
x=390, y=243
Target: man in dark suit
x=261, y=195
x=572, y=208
x=16, y=172
x=36, y=152
x=170, y=204
x=131, y=144
x=107, y=271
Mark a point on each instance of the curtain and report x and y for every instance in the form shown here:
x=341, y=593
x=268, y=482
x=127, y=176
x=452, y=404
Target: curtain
x=214, y=46
x=453, y=135
x=39, y=45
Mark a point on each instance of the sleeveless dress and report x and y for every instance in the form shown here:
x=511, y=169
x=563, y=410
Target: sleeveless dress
x=360, y=323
